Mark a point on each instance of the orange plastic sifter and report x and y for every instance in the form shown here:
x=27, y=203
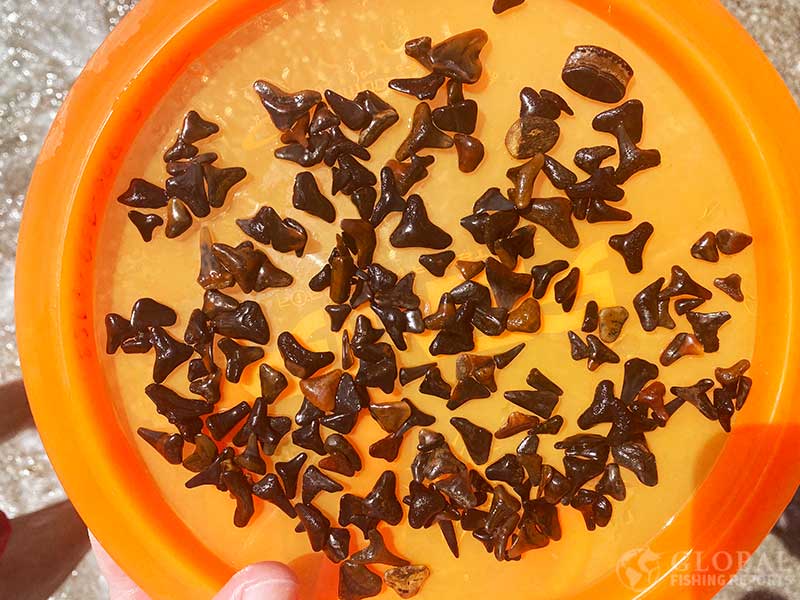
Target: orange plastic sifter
x=755, y=122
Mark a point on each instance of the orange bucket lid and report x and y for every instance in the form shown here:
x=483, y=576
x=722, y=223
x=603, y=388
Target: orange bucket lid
x=751, y=114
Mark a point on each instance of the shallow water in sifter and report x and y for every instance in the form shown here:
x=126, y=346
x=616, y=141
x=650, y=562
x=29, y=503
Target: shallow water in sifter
x=350, y=45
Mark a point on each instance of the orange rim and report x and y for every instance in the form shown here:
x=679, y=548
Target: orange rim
x=732, y=82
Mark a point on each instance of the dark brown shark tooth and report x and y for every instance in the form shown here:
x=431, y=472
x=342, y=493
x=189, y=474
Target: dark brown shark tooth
x=408, y=173
x=146, y=312
x=250, y=459
x=730, y=241
x=308, y=198
x=706, y=248
x=637, y=373
x=683, y=344
x=308, y=437
x=424, y=503
x=273, y=383
x=170, y=353
x=240, y=487
x=731, y=285
x=187, y=183
x=399, y=295
x=493, y=321
x=543, y=274
x=377, y=553
x=457, y=57
x=289, y=472
x=390, y=415
x=591, y=317
x=435, y=385
x=637, y=457
x=315, y=481
x=245, y=322
x=364, y=200
x=504, y=359
x=523, y=177
x=591, y=159
x=269, y=489
x=362, y=235
x=343, y=268
x=350, y=175
x=179, y=219
x=706, y=327
x=436, y=264
x=238, y=357
x=424, y=134
x=646, y=304
x=324, y=118
x=146, y=224
x=315, y=524
x=633, y=159
x=518, y=243
x=242, y=262
x=390, y=200
x=457, y=336
x=143, y=194
x=540, y=382
x=285, y=108
x=416, y=230
x=379, y=123
x=377, y=367
x=321, y=389
x=208, y=386
x=682, y=284
x=213, y=474
x=300, y=361
x=338, y=314
x=203, y=456
x=213, y=275
x=365, y=333
x=321, y=280
x=631, y=245
x=352, y=114
x=309, y=153
x=515, y=423
x=182, y=412
x=222, y=423
x=544, y=104
x=555, y=215
x=541, y=403
x=577, y=347
x=652, y=397
x=340, y=145
x=170, y=446
x=566, y=290
x=471, y=152
x=422, y=88
x=381, y=502
x=506, y=285
x=220, y=181
x=559, y=175
x=599, y=353
x=490, y=201
x=460, y=117
x=733, y=373
x=489, y=227
x=526, y=317
x=444, y=315
x=357, y=582
x=409, y=374
x=477, y=440
x=266, y=226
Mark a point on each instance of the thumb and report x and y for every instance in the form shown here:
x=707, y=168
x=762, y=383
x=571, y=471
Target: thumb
x=261, y=581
